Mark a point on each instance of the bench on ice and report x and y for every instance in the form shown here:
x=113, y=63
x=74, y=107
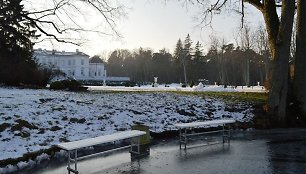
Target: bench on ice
x=73, y=147
x=184, y=134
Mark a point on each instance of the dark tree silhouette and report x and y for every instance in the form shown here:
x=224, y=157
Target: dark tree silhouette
x=16, y=32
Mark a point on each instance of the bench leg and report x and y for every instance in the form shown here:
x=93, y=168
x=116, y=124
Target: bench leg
x=223, y=134
x=138, y=145
x=69, y=159
x=185, y=135
x=76, y=161
x=180, y=138
x=75, y=170
x=229, y=133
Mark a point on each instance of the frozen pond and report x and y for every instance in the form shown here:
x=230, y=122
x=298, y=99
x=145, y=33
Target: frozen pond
x=271, y=151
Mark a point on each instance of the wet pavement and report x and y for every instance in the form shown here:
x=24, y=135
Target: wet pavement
x=253, y=152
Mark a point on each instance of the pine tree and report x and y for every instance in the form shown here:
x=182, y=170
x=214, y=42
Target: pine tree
x=178, y=55
x=186, y=54
x=178, y=52
x=16, y=48
x=187, y=47
x=198, y=52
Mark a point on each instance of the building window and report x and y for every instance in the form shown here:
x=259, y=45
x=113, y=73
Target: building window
x=82, y=72
x=82, y=62
x=99, y=72
x=73, y=62
x=69, y=62
x=63, y=62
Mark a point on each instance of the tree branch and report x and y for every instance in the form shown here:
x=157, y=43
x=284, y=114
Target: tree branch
x=63, y=17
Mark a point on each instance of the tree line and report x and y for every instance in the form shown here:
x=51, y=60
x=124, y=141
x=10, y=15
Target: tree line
x=224, y=63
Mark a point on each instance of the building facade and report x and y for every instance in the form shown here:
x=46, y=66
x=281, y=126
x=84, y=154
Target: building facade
x=75, y=65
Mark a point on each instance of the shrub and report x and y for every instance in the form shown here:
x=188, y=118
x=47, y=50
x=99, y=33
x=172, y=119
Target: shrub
x=71, y=85
x=57, y=85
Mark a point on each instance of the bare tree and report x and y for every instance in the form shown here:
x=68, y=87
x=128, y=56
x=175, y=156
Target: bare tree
x=65, y=20
x=222, y=72
x=262, y=48
x=247, y=38
x=279, y=29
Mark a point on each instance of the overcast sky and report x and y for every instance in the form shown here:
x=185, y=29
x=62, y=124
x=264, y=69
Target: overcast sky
x=158, y=25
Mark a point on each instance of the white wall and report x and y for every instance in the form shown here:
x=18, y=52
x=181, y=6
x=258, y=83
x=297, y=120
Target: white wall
x=97, y=71
x=73, y=64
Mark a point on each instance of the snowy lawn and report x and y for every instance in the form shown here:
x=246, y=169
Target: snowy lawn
x=31, y=120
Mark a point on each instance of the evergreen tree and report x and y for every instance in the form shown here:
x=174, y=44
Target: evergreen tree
x=16, y=48
x=178, y=52
x=197, y=64
x=198, y=52
x=187, y=47
x=186, y=55
x=178, y=56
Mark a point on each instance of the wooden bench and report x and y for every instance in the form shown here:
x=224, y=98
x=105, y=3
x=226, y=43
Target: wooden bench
x=184, y=134
x=74, y=146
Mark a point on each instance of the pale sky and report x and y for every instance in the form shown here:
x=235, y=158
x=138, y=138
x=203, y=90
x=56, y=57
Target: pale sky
x=157, y=25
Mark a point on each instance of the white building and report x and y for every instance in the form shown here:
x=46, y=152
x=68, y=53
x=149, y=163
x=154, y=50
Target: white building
x=76, y=65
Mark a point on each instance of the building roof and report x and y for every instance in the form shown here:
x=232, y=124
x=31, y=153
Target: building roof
x=95, y=59
x=58, y=53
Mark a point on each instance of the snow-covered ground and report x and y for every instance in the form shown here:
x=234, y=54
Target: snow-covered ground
x=177, y=87
x=31, y=120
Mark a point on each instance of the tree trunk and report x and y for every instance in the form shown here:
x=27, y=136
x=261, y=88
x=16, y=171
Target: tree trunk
x=300, y=59
x=267, y=68
x=185, y=75
x=247, y=69
x=280, y=48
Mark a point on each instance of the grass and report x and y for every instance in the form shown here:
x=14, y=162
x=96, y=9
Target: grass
x=236, y=96
x=257, y=97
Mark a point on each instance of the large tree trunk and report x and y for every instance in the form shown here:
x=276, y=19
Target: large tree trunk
x=279, y=41
x=300, y=59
